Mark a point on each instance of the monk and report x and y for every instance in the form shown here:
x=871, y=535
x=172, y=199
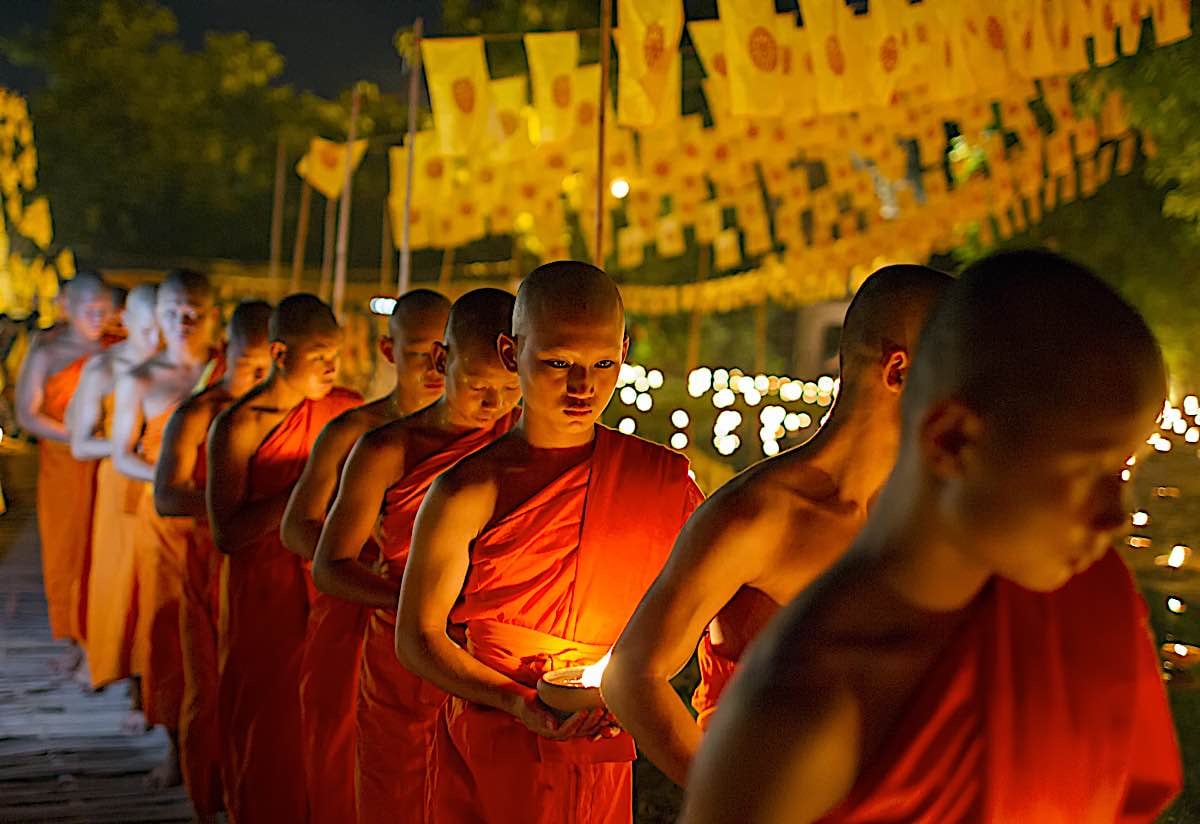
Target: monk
x=540, y=546
x=332, y=653
x=769, y=532
x=111, y=610
x=179, y=479
x=65, y=487
x=256, y=451
x=145, y=399
x=941, y=671
x=386, y=478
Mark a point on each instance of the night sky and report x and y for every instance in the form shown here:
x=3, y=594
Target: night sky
x=328, y=44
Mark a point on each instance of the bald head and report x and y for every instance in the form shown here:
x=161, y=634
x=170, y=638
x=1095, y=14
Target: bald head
x=885, y=316
x=1030, y=336
x=416, y=310
x=195, y=285
x=248, y=324
x=478, y=319
x=564, y=292
x=300, y=317
x=141, y=300
x=86, y=285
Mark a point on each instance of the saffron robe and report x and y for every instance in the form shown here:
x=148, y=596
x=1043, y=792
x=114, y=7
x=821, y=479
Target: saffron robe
x=552, y=584
x=1043, y=707
x=724, y=642
x=264, y=618
x=111, y=604
x=65, y=495
x=397, y=711
x=199, y=606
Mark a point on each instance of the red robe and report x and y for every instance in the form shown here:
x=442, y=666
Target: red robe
x=1044, y=708
x=397, y=711
x=552, y=584
x=723, y=644
x=199, y=606
x=264, y=618
x=65, y=493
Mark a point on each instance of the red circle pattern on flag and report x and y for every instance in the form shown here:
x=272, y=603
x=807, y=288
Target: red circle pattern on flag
x=654, y=46
x=464, y=94
x=889, y=54
x=764, y=51
x=834, y=56
x=561, y=91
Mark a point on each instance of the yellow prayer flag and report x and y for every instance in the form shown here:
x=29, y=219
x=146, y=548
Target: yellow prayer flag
x=1172, y=20
x=648, y=85
x=65, y=264
x=753, y=56
x=708, y=222
x=431, y=170
x=457, y=73
x=324, y=165
x=885, y=51
x=838, y=58
x=553, y=58
x=631, y=247
x=708, y=38
x=509, y=119
x=1126, y=150
x=727, y=250
x=419, y=220
x=586, y=132
x=799, y=83
x=668, y=237
x=35, y=222
x=1029, y=29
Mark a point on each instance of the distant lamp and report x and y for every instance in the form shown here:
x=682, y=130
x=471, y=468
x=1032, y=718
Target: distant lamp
x=382, y=305
x=619, y=188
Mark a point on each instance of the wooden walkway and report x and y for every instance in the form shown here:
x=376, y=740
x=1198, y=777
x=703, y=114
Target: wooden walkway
x=62, y=755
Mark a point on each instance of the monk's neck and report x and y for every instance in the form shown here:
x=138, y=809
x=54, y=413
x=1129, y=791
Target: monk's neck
x=854, y=452
x=72, y=338
x=442, y=417
x=916, y=555
x=540, y=435
x=187, y=356
x=277, y=394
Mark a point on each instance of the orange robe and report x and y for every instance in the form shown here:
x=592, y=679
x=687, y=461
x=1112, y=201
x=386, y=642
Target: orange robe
x=199, y=606
x=111, y=585
x=722, y=645
x=551, y=585
x=264, y=619
x=397, y=711
x=65, y=494
x=1044, y=708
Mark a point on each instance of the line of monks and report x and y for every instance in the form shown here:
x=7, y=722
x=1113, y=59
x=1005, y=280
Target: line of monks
x=340, y=612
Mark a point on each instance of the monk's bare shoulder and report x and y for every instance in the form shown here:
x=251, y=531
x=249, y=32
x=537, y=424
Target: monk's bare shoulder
x=480, y=472
x=204, y=405
x=340, y=434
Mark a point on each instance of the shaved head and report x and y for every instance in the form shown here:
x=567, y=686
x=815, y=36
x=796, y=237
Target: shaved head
x=85, y=285
x=478, y=318
x=187, y=282
x=141, y=299
x=248, y=324
x=886, y=315
x=415, y=308
x=566, y=291
x=299, y=317
x=1028, y=336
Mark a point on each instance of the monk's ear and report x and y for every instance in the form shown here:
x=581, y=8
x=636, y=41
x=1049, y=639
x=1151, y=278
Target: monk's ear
x=387, y=348
x=895, y=370
x=949, y=432
x=278, y=350
x=506, y=347
x=624, y=348
x=441, y=356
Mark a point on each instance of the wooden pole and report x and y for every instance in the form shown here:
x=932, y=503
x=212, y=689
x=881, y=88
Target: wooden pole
x=447, y=269
x=414, y=76
x=385, y=251
x=605, y=69
x=702, y=266
x=760, y=337
x=301, y=243
x=277, y=209
x=327, y=255
x=343, y=231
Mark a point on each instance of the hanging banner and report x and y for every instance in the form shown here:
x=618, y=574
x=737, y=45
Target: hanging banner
x=457, y=74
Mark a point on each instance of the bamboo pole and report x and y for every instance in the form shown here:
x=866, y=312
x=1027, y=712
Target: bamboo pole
x=301, y=244
x=703, y=264
x=414, y=76
x=385, y=251
x=327, y=255
x=605, y=69
x=343, y=231
x=447, y=272
x=277, y=209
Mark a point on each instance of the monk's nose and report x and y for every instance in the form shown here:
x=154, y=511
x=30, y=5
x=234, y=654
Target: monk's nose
x=579, y=382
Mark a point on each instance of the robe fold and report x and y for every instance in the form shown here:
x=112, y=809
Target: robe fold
x=552, y=584
x=1043, y=707
x=397, y=711
x=65, y=495
x=265, y=602
x=111, y=605
x=722, y=646
x=199, y=604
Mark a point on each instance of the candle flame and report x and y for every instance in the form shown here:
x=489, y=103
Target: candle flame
x=1177, y=557
x=1181, y=650
x=590, y=677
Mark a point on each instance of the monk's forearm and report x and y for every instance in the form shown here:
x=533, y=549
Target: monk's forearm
x=43, y=427
x=649, y=708
x=301, y=536
x=173, y=502
x=90, y=449
x=249, y=522
x=132, y=466
x=349, y=580
x=443, y=663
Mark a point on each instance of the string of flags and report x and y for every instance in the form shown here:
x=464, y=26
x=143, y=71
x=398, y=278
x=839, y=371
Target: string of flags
x=829, y=139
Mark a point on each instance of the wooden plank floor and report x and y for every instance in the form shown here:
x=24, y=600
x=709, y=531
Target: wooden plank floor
x=62, y=755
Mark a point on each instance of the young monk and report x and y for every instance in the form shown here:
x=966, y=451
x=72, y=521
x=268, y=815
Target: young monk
x=942, y=670
x=111, y=611
x=770, y=531
x=329, y=671
x=386, y=477
x=540, y=545
x=256, y=452
x=65, y=488
x=144, y=400
x=179, y=479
